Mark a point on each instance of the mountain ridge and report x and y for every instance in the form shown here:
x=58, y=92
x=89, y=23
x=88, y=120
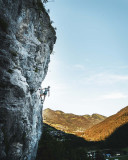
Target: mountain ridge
x=68, y=122
x=105, y=128
x=61, y=112
x=93, y=127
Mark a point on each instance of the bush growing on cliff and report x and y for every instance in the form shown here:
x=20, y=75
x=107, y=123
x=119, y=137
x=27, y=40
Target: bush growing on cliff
x=10, y=71
x=3, y=25
x=48, y=11
x=40, y=6
x=36, y=69
x=51, y=22
x=45, y=1
x=14, y=53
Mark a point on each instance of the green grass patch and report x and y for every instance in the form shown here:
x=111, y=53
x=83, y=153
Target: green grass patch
x=125, y=149
x=125, y=157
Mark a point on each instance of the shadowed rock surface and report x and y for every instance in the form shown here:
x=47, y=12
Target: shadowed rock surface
x=26, y=42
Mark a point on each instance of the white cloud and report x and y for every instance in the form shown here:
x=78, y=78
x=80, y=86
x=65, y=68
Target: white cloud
x=79, y=66
x=104, y=78
x=117, y=95
x=122, y=67
x=120, y=77
x=109, y=96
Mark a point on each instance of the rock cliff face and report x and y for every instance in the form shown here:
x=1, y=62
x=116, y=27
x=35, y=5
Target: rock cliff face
x=26, y=42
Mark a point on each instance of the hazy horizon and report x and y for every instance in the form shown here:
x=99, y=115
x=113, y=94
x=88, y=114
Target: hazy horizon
x=88, y=72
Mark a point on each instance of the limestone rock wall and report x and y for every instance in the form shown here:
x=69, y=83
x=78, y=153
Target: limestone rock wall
x=26, y=42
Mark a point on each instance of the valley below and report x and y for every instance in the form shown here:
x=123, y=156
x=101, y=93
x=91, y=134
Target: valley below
x=93, y=127
x=82, y=142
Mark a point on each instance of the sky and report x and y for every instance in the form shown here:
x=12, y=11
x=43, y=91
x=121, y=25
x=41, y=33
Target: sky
x=88, y=72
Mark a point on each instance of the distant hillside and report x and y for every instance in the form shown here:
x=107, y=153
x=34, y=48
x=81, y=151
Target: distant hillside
x=70, y=123
x=107, y=127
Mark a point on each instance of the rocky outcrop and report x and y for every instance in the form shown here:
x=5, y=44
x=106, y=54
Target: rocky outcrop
x=26, y=42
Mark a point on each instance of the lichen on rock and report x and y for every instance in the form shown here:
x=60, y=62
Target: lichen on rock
x=26, y=42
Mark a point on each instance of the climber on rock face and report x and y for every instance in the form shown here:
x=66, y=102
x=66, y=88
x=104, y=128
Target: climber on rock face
x=44, y=92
